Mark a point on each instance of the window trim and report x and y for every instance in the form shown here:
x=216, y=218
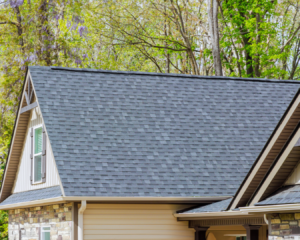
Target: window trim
x=41, y=231
x=38, y=154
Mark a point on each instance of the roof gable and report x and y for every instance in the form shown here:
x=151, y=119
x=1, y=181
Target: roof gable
x=137, y=134
x=17, y=173
x=282, y=167
x=277, y=141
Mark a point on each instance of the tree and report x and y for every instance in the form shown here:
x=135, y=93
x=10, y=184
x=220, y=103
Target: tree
x=212, y=9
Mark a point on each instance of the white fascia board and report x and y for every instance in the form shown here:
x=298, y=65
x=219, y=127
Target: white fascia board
x=147, y=199
x=211, y=214
x=271, y=208
x=56, y=200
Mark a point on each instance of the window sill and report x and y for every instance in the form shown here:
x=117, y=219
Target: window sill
x=37, y=183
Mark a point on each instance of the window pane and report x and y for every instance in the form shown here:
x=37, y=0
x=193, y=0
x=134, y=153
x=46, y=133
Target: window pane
x=45, y=235
x=38, y=168
x=38, y=140
x=46, y=228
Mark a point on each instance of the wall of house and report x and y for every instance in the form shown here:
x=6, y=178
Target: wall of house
x=28, y=222
x=134, y=221
x=284, y=225
x=22, y=182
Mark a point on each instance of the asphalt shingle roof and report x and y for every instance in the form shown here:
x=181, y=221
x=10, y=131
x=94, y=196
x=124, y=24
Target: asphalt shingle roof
x=213, y=207
x=140, y=134
x=285, y=195
x=33, y=195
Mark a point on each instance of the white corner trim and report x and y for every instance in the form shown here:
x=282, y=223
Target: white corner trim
x=277, y=166
x=265, y=153
x=80, y=219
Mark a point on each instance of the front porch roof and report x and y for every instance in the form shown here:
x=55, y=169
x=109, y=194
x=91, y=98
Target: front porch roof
x=213, y=207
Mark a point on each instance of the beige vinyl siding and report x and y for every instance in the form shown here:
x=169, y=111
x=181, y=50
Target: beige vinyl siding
x=22, y=181
x=134, y=222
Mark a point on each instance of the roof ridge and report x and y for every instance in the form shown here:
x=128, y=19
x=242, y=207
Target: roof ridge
x=169, y=75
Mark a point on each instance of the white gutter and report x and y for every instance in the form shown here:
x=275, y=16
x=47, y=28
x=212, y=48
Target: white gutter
x=115, y=200
x=147, y=199
x=80, y=219
x=271, y=208
x=210, y=214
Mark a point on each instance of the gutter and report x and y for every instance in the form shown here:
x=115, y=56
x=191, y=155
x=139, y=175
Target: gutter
x=211, y=214
x=150, y=199
x=192, y=200
x=271, y=208
x=80, y=219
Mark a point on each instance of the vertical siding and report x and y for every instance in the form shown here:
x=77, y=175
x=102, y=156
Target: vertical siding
x=294, y=178
x=22, y=182
x=134, y=222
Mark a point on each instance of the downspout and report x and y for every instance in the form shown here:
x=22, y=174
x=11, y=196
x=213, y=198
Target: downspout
x=266, y=220
x=80, y=219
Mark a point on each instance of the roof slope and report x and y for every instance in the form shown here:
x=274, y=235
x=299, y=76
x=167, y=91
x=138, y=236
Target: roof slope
x=213, y=207
x=137, y=134
x=285, y=195
x=33, y=195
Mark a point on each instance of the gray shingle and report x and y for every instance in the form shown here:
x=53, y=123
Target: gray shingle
x=214, y=207
x=284, y=195
x=136, y=134
x=33, y=195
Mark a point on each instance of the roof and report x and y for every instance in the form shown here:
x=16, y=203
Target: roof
x=33, y=195
x=285, y=195
x=213, y=207
x=146, y=134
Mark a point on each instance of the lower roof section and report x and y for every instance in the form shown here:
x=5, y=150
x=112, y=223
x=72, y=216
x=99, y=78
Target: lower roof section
x=285, y=195
x=34, y=195
x=213, y=207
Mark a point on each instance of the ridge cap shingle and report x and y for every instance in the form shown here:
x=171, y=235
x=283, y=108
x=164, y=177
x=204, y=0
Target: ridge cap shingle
x=166, y=74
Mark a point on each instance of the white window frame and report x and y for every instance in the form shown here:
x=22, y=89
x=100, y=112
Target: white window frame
x=41, y=231
x=33, y=165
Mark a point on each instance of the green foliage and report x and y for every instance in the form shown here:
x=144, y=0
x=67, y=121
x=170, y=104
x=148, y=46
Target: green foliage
x=259, y=38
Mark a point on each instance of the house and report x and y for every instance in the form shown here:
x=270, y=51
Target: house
x=108, y=155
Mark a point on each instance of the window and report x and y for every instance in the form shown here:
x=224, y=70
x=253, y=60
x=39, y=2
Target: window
x=45, y=233
x=37, y=156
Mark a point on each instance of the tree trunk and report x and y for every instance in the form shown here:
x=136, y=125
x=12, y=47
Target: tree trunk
x=257, y=57
x=212, y=8
x=19, y=27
